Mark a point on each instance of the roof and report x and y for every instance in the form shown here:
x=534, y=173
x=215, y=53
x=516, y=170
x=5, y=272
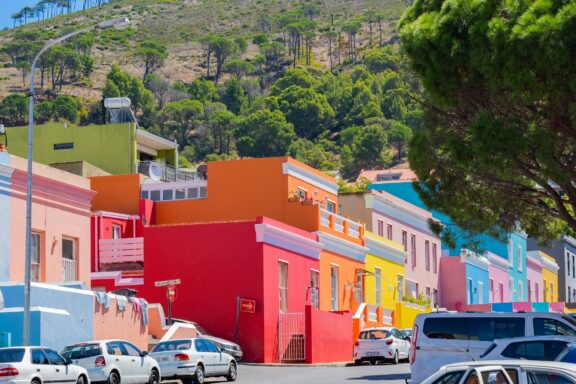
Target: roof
x=518, y=363
x=150, y=140
x=393, y=175
x=570, y=339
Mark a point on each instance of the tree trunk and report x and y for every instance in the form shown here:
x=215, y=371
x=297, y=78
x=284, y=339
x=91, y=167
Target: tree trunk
x=380, y=31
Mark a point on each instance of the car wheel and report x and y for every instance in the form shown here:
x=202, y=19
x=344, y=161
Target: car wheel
x=114, y=378
x=187, y=380
x=232, y=372
x=395, y=359
x=358, y=362
x=35, y=381
x=154, y=378
x=199, y=375
x=80, y=380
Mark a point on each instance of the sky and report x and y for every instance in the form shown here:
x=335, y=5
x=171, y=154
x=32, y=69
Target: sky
x=8, y=7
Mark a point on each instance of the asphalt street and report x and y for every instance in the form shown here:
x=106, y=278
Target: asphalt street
x=252, y=374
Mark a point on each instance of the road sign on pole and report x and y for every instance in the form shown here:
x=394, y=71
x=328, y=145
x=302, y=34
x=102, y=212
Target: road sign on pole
x=248, y=306
x=164, y=283
x=170, y=293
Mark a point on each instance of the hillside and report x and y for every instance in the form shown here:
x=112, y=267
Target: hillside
x=320, y=80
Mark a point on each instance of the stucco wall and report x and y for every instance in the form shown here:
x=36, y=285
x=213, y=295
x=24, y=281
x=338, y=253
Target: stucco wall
x=328, y=336
x=499, y=276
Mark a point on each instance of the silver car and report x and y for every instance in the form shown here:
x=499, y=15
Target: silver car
x=230, y=347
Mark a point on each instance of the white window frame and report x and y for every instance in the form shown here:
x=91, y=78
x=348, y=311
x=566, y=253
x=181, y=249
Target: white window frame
x=427, y=255
x=469, y=291
x=435, y=258
x=520, y=258
x=511, y=289
x=116, y=231
x=480, y=292
x=413, y=249
x=380, y=229
x=400, y=286
x=36, y=257
x=282, y=290
x=302, y=193
x=315, y=288
x=520, y=291
x=405, y=240
x=378, y=286
x=334, y=287
x=389, y=231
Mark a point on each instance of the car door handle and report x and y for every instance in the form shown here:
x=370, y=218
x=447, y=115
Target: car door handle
x=57, y=370
x=117, y=359
x=37, y=370
x=133, y=359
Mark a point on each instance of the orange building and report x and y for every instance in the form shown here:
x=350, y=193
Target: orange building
x=280, y=188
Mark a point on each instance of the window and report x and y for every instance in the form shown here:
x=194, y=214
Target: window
x=520, y=258
x=568, y=263
x=155, y=195
x=551, y=327
x=192, y=193
x=376, y=334
x=36, y=271
x=302, y=193
x=130, y=349
x=400, y=287
x=331, y=206
x=428, y=292
x=469, y=292
x=536, y=292
x=200, y=346
x=552, y=297
x=54, y=357
x=529, y=284
x=405, y=240
x=450, y=378
x=489, y=329
x=446, y=328
x=11, y=355
x=283, y=285
x=389, y=231
x=115, y=348
x=501, y=292
x=180, y=194
x=435, y=258
x=116, y=231
x=427, y=254
x=210, y=346
x=334, y=287
x=534, y=350
x=38, y=357
x=378, y=286
x=202, y=192
x=520, y=291
x=413, y=249
x=380, y=228
x=359, y=287
x=69, y=259
x=492, y=289
x=144, y=194
x=480, y=292
x=81, y=351
x=314, y=288
x=573, y=267
x=548, y=378
x=569, y=295
x=511, y=289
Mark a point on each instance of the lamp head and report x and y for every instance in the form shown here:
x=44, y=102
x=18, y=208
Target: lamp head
x=118, y=23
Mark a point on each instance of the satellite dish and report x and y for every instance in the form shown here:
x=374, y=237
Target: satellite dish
x=155, y=171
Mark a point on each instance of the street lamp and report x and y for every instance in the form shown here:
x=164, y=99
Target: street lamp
x=119, y=23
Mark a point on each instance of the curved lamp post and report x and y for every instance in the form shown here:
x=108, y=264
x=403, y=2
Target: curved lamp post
x=118, y=23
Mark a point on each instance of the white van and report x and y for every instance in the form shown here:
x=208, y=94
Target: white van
x=445, y=338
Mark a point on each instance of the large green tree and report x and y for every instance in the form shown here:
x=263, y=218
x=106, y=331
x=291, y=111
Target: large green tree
x=264, y=133
x=498, y=148
x=153, y=54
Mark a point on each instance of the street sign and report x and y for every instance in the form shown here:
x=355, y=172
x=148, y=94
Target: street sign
x=248, y=306
x=171, y=293
x=164, y=283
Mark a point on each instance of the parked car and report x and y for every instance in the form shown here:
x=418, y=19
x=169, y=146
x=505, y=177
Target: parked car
x=568, y=355
x=114, y=362
x=406, y=332
x=544, y=348
x=504, y=372
x=380, y=344
x=192, y=360
x=37, y=365
x=230, y=347
x=444, y=338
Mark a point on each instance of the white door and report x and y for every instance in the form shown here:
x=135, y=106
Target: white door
x=63, y=372
x=402, y=344
x=41, y=365
x=209, y=358
x=220, y=359
x=139, y=366
x=120, y=358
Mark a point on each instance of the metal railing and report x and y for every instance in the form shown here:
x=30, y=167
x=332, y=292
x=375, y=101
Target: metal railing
x=69, y=270
x=291, y=337
x=121, y=250
x=168, y=172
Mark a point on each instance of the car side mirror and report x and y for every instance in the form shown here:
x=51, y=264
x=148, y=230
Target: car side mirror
x=67, y=361
x=222, y=349
x=144, y=353
x=408, y=339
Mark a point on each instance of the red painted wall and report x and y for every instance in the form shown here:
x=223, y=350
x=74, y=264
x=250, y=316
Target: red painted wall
x=328, y=336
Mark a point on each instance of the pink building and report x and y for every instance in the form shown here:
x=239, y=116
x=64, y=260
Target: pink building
x=534, y=280
x=499, y=278
x=60, y=223
x=395, y=219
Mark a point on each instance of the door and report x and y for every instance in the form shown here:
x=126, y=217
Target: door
x=139, y=365
x=41, y=366
x=402, y=344
x=120, y=358
x=207, y=357
x=220, y=359
x=63, y=372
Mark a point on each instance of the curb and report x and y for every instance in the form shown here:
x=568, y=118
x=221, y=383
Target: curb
x=322, y=365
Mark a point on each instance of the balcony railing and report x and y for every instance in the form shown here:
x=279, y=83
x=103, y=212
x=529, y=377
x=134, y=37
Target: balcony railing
x=165, y=172
x=129, y=250
x=69, y=270
x=372, y=314
x=339, y=223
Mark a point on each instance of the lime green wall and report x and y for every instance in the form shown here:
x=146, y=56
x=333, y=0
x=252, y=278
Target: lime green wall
x=111, y=147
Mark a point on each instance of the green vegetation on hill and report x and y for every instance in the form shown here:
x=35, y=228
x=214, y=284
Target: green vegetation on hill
x=320, y=80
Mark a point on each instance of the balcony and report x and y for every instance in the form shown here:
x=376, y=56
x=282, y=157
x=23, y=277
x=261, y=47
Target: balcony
x=113, y=252
x=163, y=172
x=195, y=189
x=69, y=270
x=340, y=224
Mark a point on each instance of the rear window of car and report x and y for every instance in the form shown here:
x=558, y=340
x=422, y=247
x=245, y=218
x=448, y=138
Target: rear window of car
x=375, y=334
x=534, y=350
x=11, y=355
x=474, y=328
x=178, y=345
x=81, y=351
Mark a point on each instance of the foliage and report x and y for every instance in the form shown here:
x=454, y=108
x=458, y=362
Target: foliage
x=497, y=148
x=121, y=84
x=153, y=54
x=308, y=110
x=264, y=133
x=360, y=185
x=14, y=110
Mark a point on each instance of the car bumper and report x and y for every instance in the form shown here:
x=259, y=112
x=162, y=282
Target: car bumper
x=237, y=355
x=97, y=375
x=6, y=380
x=177, y=370
x=379, y=354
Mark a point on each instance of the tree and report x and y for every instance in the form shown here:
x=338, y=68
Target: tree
x=14, y=110
x=181, y=117
x=307, y=109
x=497, y=149
x=238, y=68
x=352, y=28
x=223, y=48
x=398, y=136
x=370, y=18
x=203, y=90
x=160, y=87
x=312, y=154
x=153, y=54
x=220, y=126
x=293, y=76
x=121, y=84
x=363, y=148
x=264, y=133
x=66, y=108
x=233, y=96
x=381, y=59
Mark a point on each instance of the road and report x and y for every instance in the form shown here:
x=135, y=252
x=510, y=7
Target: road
x=389, y=374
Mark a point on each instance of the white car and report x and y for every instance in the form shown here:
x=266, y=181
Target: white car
x=114, y=362
x=381, y=344
x=504, y=372
x=544, y=348
x=192, y=360
x=36, y=365
x=229, y=347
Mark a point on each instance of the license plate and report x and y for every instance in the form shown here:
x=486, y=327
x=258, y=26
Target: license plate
x=372, y=353
x=163, y=358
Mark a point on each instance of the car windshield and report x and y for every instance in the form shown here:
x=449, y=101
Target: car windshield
x=568, y=355
x=176, y=345
x=81, y=351
x=406, y=332
x=375, y=334
x=11, y=355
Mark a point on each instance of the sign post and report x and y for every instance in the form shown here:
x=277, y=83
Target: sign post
x=170, y=294
x=243, y=305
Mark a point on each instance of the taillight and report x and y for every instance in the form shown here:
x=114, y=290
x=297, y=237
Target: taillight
x=413, y=349
x=356, y=343
x=100, y=361
x=8, y=371
x=389, y=341
x=181, y=357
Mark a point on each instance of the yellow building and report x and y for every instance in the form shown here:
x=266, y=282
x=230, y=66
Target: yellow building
x=549, y=277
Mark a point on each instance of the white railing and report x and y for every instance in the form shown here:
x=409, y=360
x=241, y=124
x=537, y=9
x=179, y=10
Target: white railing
x=336, y=222
x=69, y=271
x=121, y=250
x=387, y=316
x=189, y=190
x=372, y=314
